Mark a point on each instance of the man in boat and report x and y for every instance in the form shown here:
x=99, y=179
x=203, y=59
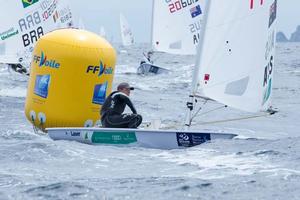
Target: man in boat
x=112, y=115
x=19, y=68
x=147, y=58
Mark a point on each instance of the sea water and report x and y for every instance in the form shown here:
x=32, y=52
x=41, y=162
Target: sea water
x=263, y=162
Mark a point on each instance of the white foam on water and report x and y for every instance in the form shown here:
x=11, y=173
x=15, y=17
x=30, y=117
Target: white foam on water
x=209, y=163
x=282, y=172
x=13, y=92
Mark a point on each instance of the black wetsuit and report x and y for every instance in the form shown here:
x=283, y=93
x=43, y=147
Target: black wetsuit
x=19, y=68
x=146, y=60
x=112, y=112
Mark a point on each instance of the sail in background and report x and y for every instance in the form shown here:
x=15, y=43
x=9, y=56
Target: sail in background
x=102, y=32
x=23, y=22
x=237, y=57
x=176, y=25
x=126, y=33
x=81, y=24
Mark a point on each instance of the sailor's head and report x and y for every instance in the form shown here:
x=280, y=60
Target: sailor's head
x=125, y=88
x=149, y=54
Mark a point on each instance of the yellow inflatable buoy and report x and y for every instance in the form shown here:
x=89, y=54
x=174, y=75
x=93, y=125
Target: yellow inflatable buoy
x=71, y=74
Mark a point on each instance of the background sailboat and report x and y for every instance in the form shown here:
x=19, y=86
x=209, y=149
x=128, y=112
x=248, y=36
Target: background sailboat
x=102, y=32
x=176, y=26
x=126, y=33
x=175, y=29
x=24, y=23
x=81, y=24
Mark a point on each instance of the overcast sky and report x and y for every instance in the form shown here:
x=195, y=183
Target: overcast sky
x=97, y=13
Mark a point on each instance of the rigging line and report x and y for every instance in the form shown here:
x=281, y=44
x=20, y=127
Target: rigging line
x=218, y=108
x=235, y=119
x=200, y=108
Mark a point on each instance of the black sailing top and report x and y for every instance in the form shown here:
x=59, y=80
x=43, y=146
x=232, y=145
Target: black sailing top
x=115, y=104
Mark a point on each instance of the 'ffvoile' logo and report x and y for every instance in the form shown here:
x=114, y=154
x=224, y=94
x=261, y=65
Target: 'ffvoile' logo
x=43, y=61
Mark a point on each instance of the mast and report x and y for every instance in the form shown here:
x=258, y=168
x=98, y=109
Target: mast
x=152, y=23
x=195, y=80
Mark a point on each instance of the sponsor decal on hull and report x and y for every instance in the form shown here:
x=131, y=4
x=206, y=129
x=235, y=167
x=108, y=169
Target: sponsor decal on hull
x=113, y=137
x=191, y=139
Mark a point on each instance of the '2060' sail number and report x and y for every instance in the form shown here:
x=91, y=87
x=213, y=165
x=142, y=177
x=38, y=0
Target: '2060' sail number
x=179, y=4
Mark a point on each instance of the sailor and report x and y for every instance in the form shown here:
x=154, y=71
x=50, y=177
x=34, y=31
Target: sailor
x=112, y=115
x=147, y=58
x=19, y=68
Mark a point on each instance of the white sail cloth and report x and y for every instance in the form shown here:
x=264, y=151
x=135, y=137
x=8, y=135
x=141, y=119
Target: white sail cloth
x=176, y=25
x=237, y=57
x=24, y=22
x=126, y=33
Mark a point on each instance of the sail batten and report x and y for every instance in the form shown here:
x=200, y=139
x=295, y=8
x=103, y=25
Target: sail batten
x=237, y=61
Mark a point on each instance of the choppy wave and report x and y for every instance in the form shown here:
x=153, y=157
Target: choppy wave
x=262, y=161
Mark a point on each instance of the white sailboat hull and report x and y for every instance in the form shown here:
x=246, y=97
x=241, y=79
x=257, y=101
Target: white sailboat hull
x=162, y=139
x=147, y=68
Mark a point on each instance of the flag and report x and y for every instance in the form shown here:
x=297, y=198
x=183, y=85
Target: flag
x=27, y=3
x=273, y=11
x=195, y=11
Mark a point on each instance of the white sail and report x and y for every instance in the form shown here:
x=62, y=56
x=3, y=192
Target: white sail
x=11, y=59
x=102, y=32
x=6, y=58
x=237, y=57
x=24, y=22
x=176, y=25
x=126, y=33
x=81, y=24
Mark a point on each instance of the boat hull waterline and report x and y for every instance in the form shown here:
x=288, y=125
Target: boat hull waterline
x=163, y=139
x=147, y=68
